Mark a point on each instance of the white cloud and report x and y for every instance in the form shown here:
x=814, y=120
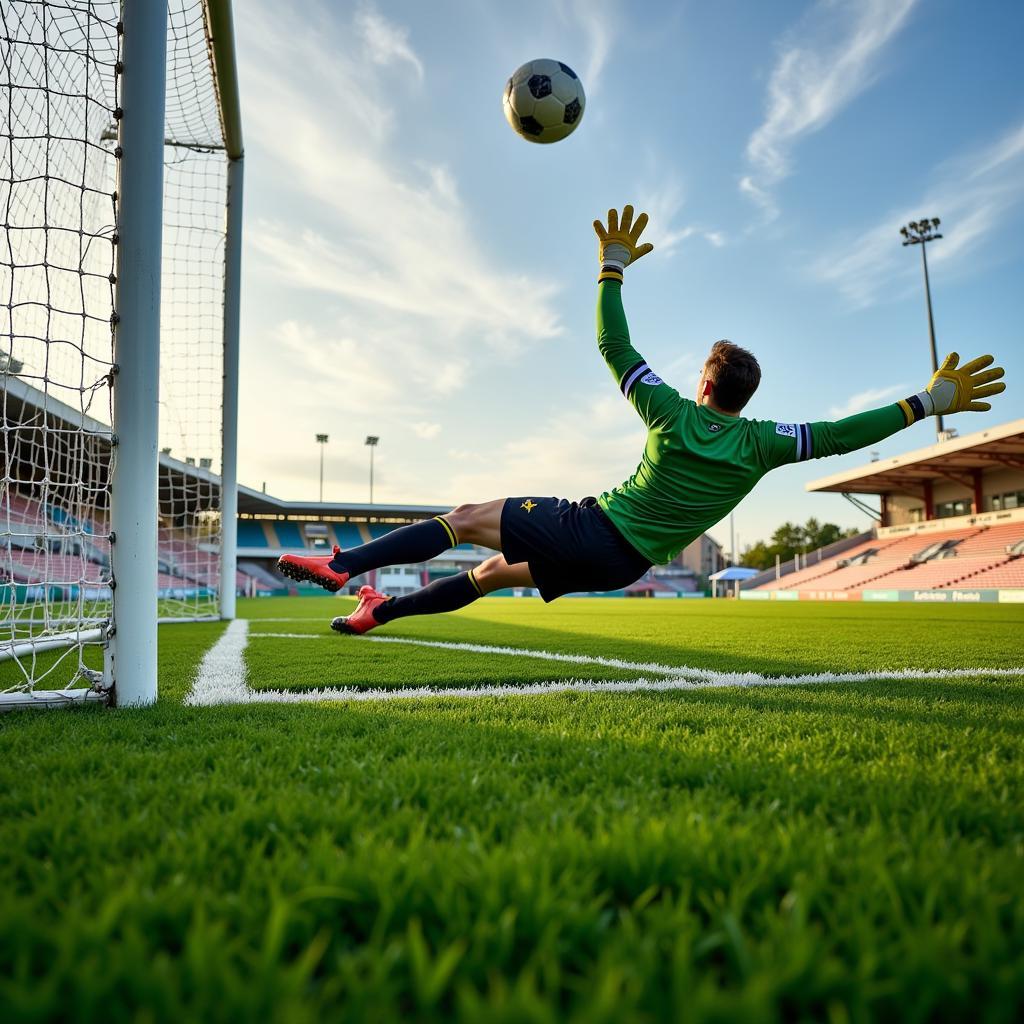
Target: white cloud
x=394, y=241
x=466, y=455
x=663, y=203
x=761, y=196
x=684, y=370
x=426, y=431
x=450, y=377
x=580, y=452
x=1005, y=150
x=390, y=290
x=597, y=21
x=398, y=274
x=867, y=400
x=824, y=64
x=386, y=42
x=972, y=194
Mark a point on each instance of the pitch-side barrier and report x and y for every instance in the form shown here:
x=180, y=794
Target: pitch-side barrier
x=963, y=596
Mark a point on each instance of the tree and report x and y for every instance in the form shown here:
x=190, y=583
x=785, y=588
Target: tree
x=790, y=538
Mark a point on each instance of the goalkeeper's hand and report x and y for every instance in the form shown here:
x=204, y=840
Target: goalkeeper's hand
x=618, y=243
x=958, y=388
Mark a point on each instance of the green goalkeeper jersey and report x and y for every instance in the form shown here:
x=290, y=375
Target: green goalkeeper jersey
x=698, y=464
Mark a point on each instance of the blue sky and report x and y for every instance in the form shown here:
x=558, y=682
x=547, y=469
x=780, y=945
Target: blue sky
x=415, y=270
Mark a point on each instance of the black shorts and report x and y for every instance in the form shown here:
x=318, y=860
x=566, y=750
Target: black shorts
x=570, y=546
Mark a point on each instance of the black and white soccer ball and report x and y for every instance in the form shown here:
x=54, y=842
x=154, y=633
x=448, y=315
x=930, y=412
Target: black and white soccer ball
x=544, y=100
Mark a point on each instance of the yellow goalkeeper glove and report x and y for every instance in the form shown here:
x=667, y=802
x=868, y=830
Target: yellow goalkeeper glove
x=956, y=389
x=618, y=244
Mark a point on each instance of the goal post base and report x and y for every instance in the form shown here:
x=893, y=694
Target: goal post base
x=45, y=699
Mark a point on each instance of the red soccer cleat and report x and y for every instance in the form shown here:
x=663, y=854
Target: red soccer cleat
x=317, y=570
x=362, y=619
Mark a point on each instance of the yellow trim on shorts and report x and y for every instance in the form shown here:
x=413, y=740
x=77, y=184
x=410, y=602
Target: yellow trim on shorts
x=472, y=579
x=448, y=529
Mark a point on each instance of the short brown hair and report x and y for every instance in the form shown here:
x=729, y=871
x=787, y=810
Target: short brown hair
x=734, y=374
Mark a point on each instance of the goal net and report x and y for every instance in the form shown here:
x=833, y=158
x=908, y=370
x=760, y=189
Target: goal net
x=65, y=184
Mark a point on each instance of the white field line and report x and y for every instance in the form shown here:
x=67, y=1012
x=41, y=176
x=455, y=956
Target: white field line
x=220, y=678
x=221, y=675
x=291, y=618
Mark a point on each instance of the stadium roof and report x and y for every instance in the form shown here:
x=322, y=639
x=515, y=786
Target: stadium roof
x=996, y=448
x=734, y=572
x=259, y=503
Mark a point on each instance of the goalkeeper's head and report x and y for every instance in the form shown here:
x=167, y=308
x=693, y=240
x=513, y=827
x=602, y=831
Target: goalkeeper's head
x=729, y=378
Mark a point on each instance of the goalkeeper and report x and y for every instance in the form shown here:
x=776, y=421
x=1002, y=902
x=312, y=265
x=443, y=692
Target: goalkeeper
x=700, y=460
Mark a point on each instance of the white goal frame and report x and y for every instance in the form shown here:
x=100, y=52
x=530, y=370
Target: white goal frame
x=129, y=676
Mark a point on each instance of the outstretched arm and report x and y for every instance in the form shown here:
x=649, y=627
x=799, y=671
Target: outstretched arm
x=652, y=398
x=618, y=247
x=950, y=390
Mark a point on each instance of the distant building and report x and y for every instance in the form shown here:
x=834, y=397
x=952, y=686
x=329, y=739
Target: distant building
x=701, y=557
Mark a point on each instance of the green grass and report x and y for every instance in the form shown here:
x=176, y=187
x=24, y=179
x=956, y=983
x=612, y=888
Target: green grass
x=830, y=852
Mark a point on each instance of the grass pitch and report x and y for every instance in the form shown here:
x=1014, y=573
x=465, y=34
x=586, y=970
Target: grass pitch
x=840, y=851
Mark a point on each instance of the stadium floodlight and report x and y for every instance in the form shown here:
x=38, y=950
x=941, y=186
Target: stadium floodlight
x=921, y=233
x=322, y=440
x=371, y=442
x=120, y=297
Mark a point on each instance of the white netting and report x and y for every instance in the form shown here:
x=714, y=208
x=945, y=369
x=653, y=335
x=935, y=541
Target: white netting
x=191, y=327
x=57, y=265
x=58, y=178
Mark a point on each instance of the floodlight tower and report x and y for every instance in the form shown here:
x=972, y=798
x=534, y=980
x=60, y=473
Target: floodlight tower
x=321, y=440
x=371, y=442
x=920, y=232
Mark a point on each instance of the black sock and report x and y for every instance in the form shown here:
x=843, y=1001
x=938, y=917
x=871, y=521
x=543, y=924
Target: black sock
x=443, y=595
x=415, y=543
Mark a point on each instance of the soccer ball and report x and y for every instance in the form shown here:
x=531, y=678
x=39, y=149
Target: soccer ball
x=544, y=101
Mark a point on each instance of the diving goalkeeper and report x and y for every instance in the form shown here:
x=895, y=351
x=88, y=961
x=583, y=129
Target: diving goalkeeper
x=700, y=460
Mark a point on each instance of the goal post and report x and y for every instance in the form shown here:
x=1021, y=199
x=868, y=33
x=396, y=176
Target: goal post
x=119, y=338
x=136, y=370
x=222, y=34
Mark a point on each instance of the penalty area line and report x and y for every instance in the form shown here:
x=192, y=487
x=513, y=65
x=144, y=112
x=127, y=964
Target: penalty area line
x=220, y=678
x=703, y=675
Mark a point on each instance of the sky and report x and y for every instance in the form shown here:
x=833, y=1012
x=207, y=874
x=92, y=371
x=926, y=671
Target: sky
x=413, y=269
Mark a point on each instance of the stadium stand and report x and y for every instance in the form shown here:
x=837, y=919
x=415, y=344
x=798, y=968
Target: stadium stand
x=61, y=518
x=38, y=566
x=818, y=569
x=951, y=518
x=964, y=559
x=1009, y=574
x=251, y=535
x=348, y=535
x=263, y=578
x=23, y=513
x=889, y=559
x=289, y=535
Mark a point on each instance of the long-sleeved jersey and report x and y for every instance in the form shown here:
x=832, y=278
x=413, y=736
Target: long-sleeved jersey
x=699, y=464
